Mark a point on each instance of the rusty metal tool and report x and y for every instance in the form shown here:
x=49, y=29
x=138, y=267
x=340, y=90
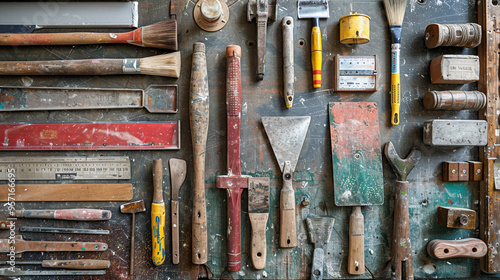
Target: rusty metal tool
x=401, y=259
x=83, y=264
x=234, y=182
x=65, y=214
x=132, y=208
x=262, y=11
x=462, y=248
x=64, y=230
x=198, y=116
x=287, y=135
x=357, y=169
x=320, y=229
x=258, y=213
x=288, y=61
x=176, y=8
x=50, y=246
x=314, y=9
x=14, y=271
x=155, y=98
x=158, y=215
x=177, y=176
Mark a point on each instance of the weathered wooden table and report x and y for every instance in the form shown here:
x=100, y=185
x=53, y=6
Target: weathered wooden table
x=313, y=178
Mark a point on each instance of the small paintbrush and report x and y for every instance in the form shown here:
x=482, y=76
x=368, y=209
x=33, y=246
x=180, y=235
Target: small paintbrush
x=168, y=65
x=161, y=35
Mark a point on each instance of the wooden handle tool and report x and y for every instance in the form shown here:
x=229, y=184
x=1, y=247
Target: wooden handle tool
x=288, y=227
x=158, y=214
x=288, y=61
x=177, y=176
x=462, y=248
x=198, y=115
x=161, y=35
x=356, y=259
x=65, y=214
x=258, y=213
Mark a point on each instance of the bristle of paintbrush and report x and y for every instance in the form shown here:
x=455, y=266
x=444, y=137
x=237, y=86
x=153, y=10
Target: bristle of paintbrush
x=168, y=65
x=395, y=10
x=161, y=35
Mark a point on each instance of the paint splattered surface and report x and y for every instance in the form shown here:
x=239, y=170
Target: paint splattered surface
x=313, y=179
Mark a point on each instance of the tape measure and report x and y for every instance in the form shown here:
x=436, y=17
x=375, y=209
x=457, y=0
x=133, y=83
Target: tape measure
x=356, y=73
x=65, y=168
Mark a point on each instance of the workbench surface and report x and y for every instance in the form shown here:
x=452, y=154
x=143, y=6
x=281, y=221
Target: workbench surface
x=313, y=180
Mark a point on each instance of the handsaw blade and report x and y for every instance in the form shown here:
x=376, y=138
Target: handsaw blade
x=286, y=135
x=178, y=172
x=258, y=195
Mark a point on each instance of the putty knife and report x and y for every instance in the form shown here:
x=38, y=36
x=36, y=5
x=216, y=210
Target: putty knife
x=320, y=229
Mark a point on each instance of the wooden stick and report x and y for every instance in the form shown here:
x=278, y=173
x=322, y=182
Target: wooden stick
x=67, y=192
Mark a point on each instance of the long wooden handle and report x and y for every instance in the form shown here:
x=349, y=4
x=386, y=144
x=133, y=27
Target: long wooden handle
x=198, y=114
x=75, y=38
x=401, y=259
x=66, y=214
x=158, y=215
x=462, y=248
x=63, y=67
x=356, y=259
x=53, y=246
x=288, y=231
x=258, y=247
x=77, y=264
x=288, y=61
x=174, y=210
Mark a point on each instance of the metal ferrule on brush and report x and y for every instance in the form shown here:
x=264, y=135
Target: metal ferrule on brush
x=396, y=33
x=131, y=66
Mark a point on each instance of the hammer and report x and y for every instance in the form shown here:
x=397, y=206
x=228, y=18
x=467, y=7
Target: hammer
x=234, y=182
x=132, y=208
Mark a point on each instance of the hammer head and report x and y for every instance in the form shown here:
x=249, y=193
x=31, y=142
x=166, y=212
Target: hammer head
x=402, y=167
x=133, y=207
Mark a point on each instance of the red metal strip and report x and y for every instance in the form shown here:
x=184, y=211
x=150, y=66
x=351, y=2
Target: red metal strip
x=91, y=136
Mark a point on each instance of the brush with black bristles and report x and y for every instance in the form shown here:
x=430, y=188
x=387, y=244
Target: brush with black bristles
x=395, y=10
x=167, y=65
x=161, y=35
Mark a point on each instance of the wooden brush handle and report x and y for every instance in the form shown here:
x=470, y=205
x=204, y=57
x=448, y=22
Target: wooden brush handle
x=76, y=38
x=63, y=67
x=198, y=115
x=258, y=248
x=463, y=248
x=356, y=259
x=401, y=248
x=288, y=233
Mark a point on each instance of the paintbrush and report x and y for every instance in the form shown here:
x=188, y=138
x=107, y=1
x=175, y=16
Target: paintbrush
x=395, y=10
x=168, y=65
x=161, y=35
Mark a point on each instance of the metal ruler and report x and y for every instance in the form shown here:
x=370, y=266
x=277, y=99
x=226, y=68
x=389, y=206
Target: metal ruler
x=356, y=73
x=155, y=98
x=65, y=168
x=91, y=136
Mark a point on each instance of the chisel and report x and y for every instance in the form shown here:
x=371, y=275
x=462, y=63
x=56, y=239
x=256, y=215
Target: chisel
x=158, y=214
x=66, y=214
x=68, y=264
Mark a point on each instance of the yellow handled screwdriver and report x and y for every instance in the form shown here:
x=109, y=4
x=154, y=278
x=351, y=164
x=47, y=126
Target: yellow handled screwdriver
x=158, y=214
x=315, y=9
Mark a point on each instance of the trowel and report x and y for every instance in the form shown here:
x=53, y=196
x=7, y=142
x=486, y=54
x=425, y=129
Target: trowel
x=286, y=135
x=320, y=229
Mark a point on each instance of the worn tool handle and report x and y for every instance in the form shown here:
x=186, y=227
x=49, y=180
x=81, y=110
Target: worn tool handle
x=198, y=114
x=316, y=53
x=54, y=246
x=74, y=38
x=77, y=264
x=401, y=260
x=66, y=214
x=356, y=259
x=261, y=47
x=233, y=101
x=462, y=248
x=258, y=247
x=288, y=61
x=234, y=229
x=317, y=265
x=158, y=215
x=288, y=232
x=63, y=67
x=395, y=73
x=174, y=209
